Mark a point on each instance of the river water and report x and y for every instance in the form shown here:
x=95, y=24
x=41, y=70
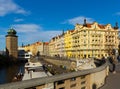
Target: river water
x=8, y=73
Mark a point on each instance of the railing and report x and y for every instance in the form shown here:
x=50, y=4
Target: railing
x=84, y=79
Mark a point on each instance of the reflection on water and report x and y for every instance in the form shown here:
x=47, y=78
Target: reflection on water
x=7, y=74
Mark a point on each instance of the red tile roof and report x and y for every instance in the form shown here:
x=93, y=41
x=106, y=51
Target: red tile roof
x=101, y=26
x=88, y=25
x=46, y=43
x=71, y=30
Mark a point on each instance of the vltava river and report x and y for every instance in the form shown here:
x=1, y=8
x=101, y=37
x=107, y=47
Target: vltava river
x=7, y=74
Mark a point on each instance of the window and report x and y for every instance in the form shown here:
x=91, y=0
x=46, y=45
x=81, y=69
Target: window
x=73, y=79
x=62, y=88
x=73, y=85
x=82, y=77
x=83, y=82
x=83, y=87
x=60, y=82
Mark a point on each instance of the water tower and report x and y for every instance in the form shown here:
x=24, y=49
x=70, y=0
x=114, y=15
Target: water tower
x=12, y=44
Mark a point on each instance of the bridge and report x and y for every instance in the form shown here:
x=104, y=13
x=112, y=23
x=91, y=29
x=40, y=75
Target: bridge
x=84, y=79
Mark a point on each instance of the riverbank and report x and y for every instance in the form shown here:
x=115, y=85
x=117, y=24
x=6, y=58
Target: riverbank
x=11, y=62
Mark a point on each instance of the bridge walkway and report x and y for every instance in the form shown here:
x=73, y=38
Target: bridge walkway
x=113, y=80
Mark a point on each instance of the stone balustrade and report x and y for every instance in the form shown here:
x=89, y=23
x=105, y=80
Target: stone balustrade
x=83, y=79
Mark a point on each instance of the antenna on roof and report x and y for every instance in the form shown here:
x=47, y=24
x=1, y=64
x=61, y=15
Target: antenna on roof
x=63, y=32
x=22, y=45
x=116, y=25
x=85, y=22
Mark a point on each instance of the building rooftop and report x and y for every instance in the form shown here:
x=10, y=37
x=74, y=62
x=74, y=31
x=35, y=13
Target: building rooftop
x=11, y=31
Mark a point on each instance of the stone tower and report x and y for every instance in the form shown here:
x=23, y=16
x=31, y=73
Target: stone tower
x=12, y=44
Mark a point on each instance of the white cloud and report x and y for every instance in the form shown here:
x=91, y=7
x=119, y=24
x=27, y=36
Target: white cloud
x=38, y=36
x=79, y=19
x=18, y=20
x=29, y=33
x=2, y=40
x=2, y=36
x=8, y=6
x=118, y=13
x=26, y=28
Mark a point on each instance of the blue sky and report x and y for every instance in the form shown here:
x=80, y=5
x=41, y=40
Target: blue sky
x=37, y=20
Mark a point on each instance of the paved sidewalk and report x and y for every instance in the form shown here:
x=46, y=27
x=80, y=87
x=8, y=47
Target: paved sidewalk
x=113, y=80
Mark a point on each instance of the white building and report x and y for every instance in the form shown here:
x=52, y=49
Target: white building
x=23, y=55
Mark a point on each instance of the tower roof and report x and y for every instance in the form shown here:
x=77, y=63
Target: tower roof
x=11, y=31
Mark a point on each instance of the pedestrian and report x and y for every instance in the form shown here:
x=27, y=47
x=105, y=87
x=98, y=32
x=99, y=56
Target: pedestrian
x=103, y=59
x=113, y=61
x=118, y=57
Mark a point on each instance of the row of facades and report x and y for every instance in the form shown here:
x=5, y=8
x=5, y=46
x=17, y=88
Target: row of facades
x=84, y=41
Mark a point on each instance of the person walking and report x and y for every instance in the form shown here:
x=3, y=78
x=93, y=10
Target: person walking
x=113, y=61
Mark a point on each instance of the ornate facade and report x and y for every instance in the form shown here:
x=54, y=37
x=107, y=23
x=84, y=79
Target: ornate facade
x=56, y=46
x=41, y=47
x=95, y=40
x=87, y=40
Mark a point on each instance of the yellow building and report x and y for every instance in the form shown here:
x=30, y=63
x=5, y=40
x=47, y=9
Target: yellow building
x=94, y=40
x=32, y=48
x=87, y=40
x=41, y=47
x=52, y=47
x=68, y=43
x=56, y=46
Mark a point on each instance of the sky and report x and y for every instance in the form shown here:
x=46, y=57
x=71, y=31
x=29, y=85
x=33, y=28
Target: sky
x=40, y=20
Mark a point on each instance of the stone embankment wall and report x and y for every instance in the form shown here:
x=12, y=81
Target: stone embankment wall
x=64, y=63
